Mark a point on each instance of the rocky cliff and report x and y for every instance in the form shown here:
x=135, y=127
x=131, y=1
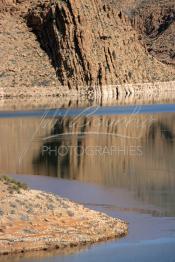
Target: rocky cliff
x=93, y=43
x=83, y=43
x=156, y=23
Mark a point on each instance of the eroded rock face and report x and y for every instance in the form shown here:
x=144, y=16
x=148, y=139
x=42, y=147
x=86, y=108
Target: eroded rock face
x=92, y=43
x=23, y=64
x=85, y=43
x=156, y=22
x=7, y=2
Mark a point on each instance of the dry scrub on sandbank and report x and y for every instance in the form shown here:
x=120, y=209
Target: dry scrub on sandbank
x=34, y=220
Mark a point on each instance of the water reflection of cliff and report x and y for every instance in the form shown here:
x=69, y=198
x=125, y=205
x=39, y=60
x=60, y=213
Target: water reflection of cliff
x=142, y=158
x=16, y=141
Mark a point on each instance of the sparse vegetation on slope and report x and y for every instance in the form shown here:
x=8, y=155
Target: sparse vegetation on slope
x=35, y=220
x=13, y=185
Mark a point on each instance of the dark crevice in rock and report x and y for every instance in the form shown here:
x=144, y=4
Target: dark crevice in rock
x=167, y=21
x=156, y=23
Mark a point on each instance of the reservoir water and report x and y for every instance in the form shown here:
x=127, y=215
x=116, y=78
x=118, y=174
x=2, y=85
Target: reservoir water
x=116, y=159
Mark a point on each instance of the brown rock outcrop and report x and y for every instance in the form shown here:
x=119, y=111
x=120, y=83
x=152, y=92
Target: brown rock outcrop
x=91, y=43
x=84, y=43
x=156, y=22
x=22, y=62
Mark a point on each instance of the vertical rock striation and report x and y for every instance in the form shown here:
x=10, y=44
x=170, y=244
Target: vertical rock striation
x=91, y=43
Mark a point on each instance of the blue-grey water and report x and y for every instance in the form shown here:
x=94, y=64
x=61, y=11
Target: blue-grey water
x=90, y=111
x=119, y=160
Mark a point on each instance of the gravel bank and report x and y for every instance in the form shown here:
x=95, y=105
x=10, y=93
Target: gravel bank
x=34, y=220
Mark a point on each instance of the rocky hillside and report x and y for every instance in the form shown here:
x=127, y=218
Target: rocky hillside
x=156, y=22
x=78, y=43
x=23, y=62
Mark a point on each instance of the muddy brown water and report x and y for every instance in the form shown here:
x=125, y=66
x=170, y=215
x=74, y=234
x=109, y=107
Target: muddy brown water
x=116, y=159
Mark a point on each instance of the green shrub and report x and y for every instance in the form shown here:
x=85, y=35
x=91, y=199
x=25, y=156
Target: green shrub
x=13, y=185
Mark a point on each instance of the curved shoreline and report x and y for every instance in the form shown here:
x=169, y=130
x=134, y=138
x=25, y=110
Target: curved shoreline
x=32, y=220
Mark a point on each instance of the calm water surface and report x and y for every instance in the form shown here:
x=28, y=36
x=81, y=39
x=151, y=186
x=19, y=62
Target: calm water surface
x=119, y=160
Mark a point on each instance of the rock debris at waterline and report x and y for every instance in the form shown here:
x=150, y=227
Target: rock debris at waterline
x=146, y=89
x=34, y=220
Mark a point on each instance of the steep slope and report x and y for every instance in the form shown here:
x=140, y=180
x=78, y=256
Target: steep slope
x=92, y=43
x=156, y=22
x=73, y=43
x=22, y=62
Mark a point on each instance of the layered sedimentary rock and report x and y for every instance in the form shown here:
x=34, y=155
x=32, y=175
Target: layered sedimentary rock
x=93, y=43
x=84, y=43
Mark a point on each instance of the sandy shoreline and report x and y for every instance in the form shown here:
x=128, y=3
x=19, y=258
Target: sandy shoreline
x=33, y=220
